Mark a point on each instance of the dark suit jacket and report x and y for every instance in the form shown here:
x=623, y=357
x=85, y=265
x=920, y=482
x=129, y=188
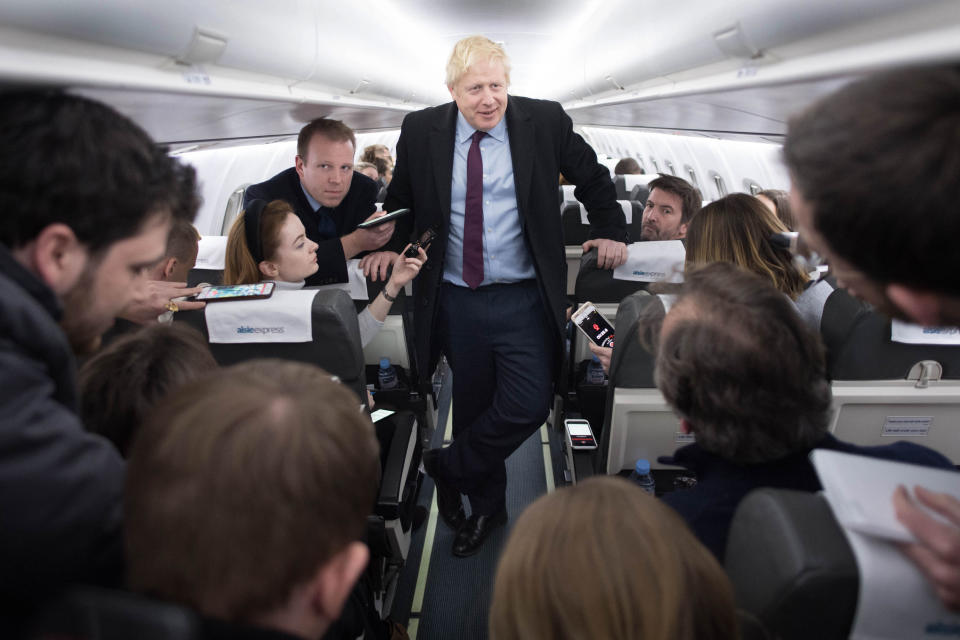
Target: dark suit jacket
x=356, y=207
x=542, y=145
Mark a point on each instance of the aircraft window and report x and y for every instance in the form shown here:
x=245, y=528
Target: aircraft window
x=752, y=186
x=233, y=208
x=721, y=187
x=693, y=176
x=670, y=168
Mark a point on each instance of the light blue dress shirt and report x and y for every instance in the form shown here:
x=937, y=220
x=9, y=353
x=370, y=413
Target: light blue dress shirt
x=505, y=254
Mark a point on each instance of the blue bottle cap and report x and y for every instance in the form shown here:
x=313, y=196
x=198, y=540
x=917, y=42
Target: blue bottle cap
x=642, y=467
x=384, y=363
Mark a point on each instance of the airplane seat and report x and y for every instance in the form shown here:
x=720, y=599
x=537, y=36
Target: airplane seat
x=638, y=423
x=600, y=287
x=575, y=232
x=211, y=257
x=884, y=390
x=639, y=193
x=335, y=347
x=90, y=613
x=787, y=558
x=566, y=195
x=619, y=183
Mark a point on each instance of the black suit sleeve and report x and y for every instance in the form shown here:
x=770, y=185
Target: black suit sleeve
x=400, y=194
x=579, y=165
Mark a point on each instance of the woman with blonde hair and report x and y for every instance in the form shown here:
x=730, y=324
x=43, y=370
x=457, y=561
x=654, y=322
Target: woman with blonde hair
x=605, y=561
x=268, y=242
x=737, y=229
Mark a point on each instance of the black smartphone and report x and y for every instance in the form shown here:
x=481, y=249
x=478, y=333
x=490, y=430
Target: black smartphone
x=376, y=222
x=220, y=293
x=579, y=434
x=423, y=243
x=593, y=325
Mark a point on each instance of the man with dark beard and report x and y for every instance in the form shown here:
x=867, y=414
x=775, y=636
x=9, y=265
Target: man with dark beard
x=87, y=201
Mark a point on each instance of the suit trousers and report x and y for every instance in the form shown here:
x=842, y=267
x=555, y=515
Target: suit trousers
x=500, y=346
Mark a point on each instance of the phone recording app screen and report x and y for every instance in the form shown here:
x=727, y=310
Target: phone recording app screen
x=598, y=328
x=580, y=434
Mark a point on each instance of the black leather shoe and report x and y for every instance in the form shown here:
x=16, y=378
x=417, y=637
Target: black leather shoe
x=449, y=502
x=474, y=531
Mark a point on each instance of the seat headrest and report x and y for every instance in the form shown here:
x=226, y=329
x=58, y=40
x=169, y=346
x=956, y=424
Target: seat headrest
x=859, y=347
x=791, y=566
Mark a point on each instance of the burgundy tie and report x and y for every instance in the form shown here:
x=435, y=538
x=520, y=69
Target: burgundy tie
x=473, y=216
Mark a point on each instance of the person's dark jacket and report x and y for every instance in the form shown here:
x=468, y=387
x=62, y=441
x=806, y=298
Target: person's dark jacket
x=60, y=486
x=357, y=206
x=542, y=145
x=708, y=507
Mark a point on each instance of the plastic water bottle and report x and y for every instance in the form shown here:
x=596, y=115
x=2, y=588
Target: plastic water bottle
x=387, y=375
x=642, y=478
x=595, y=373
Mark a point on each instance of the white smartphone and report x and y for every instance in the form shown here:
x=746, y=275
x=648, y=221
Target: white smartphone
x=579, y=434
x=593, y=325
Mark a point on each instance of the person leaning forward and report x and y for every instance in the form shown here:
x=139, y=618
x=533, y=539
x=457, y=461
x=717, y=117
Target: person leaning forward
x=482, y=171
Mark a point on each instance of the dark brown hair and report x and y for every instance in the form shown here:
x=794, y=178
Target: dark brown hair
x=126, y=381
x=243, y=485
x=689, y=195
x=736, y=360
x=332, y=130
x=878, y=161
x=605, y=561
x=627, y=166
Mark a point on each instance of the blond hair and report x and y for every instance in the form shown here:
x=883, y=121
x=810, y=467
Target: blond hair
x=471, y=50
x=239, y=266
x=604, y=560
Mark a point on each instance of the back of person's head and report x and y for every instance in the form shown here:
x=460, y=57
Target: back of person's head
x=375, y=151
x=471, y=50
x=603, y=560
x=779, y=200
x=245, y=485
x=70, y=160
x=627, y=166
x=877, y=163
x=737, y=229
x=738, y=363
x=368, y=169
x=126, y=381
x=332, y=130
x=183, y=244
x=689, y=195
x=240, y=265
x=383, y=165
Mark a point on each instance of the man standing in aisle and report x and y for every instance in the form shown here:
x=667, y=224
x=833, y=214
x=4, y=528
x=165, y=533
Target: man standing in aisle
x=481, y=172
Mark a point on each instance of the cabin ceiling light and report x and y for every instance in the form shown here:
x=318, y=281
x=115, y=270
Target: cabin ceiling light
x=206, y=46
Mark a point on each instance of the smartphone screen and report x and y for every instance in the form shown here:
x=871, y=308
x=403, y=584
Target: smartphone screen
x=236, y=292
x=594, y=325
x=580, y=434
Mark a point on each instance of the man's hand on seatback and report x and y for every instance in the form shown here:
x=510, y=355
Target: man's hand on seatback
x=156, y=297
x=938, y=551
x=610, y=253
x=360, y=240
x=377, y=265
